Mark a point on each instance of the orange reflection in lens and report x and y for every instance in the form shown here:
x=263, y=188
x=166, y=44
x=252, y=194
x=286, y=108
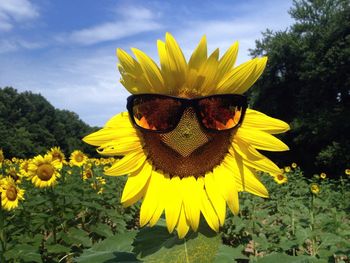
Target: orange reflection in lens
x=231, y=122
x=144, y=123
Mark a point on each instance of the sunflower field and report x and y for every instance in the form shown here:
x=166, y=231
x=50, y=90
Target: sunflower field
x=53, y=210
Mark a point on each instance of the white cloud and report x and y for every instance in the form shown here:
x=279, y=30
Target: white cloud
x=12, y=11
x=133, y=21
x=14, y=44
x=111, y=31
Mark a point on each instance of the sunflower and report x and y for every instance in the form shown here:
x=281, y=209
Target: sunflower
x=78, y=158
x=281, y=178
x=88, y=173
x=287, y=169
x=189, y=170
x=10, y=193
x=314, y=188
x=23, y=168
x=57, y=154
x=44, y=171
x=14, y=174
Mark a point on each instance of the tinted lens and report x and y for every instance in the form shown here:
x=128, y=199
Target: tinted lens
x=221, y=112
x=156, y=112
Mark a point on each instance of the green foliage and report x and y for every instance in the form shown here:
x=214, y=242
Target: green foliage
x=71, y=222
x=307, y=83
x=29, y=125
x=294, y=221
x=58, y=223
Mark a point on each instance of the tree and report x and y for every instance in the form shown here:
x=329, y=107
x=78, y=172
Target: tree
x=30, y=125
x=307, y=83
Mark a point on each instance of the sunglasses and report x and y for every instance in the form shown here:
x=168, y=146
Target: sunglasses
x=161, y=113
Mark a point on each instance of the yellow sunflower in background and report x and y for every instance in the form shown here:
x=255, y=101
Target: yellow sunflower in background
x=44, y=171
x=189, y=142
x=281, y=178
x=11, y=194
x=14, y=174
x=78, y=158
x=23, y=168
x=314, y=188
x=57, y=154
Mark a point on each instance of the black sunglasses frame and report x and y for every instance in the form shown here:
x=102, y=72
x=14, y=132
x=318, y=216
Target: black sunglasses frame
x=186, y=103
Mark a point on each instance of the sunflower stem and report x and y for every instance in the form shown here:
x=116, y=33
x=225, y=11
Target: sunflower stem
x=53, y=200
x=2, y=233
x=186, y=252
x=293, y=230
x=312, y=225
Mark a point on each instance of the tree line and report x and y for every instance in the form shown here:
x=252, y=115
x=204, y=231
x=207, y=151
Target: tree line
x=307, y=84
x=30, y=125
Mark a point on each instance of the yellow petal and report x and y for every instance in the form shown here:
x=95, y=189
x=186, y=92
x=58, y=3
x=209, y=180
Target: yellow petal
x=228, y=187
x=128, y=164
x=258, y=70
x=120, y=120
x=208, y=210
x=227, y=61
x=136, y=182
x=207, y=72
x=243, y=176
x=128, y=63
x=151, y=71
x=256, y=120
x=168, y=77
x=199, y=56
x=253, y=158
x=106, y=135
x=182, y=225
x=151, y=200
x=215, y=198
x=177, y=60
x=235, y=78
x=162, y=193
x=191, y=200
x=121, y=146
x=173, y=204
x=260, y=140
x=132, y=75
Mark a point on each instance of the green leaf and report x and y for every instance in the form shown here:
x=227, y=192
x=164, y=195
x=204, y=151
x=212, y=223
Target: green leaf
x=24, y=252
x=58, y=249
x=157, y=245
x=79, y=236
x=102, y=230
x=229, y=254
x=113, y=249
x=279, y=257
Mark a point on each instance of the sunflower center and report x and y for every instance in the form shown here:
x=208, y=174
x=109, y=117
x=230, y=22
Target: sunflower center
x=45, y=172
x=13, y=175
x=280, y=177
x=188, y=150
x=25, y=167
x=79, y=158
x=56, y=156
x=88, y=173
x=11, y=193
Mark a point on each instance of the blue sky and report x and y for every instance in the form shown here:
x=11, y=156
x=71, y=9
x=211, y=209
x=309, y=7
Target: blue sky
x=65, y=49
